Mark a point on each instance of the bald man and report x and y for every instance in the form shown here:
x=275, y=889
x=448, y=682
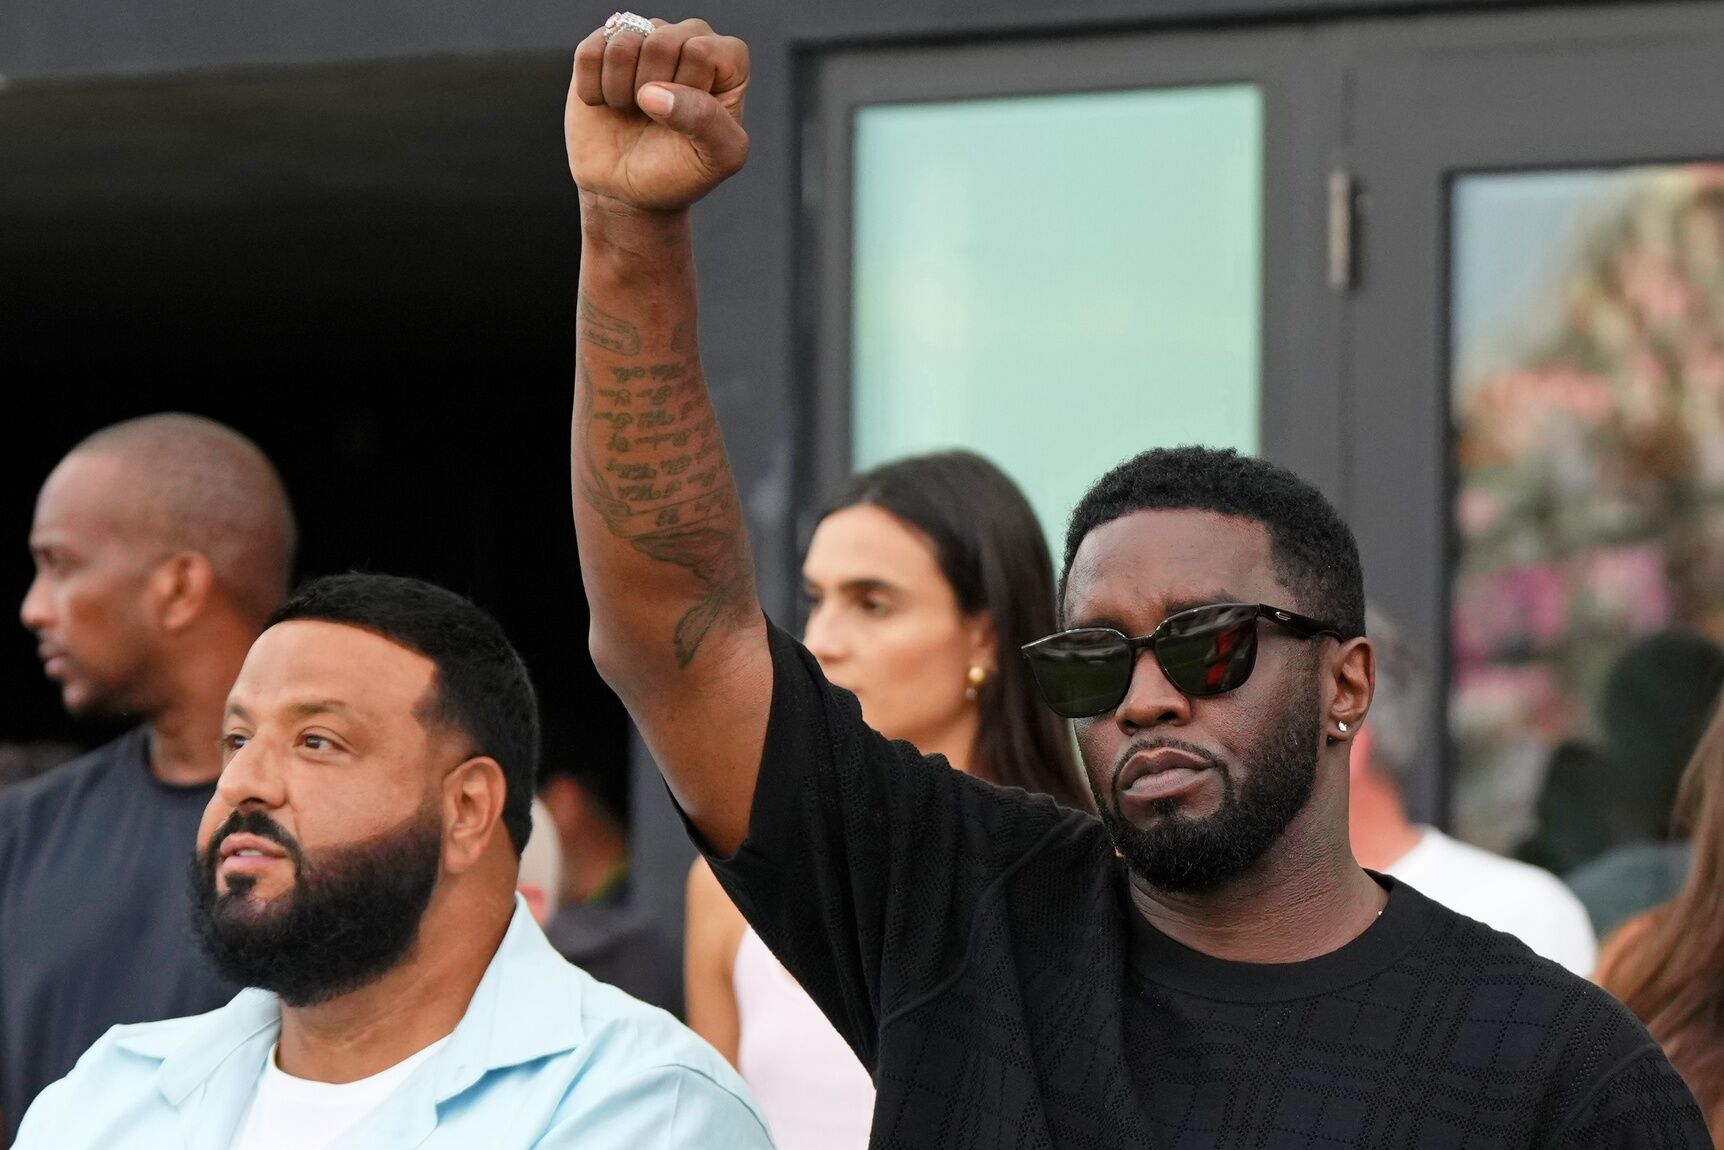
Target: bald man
x=161, y=545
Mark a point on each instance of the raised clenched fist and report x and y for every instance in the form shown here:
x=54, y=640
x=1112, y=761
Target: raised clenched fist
x=655, y=121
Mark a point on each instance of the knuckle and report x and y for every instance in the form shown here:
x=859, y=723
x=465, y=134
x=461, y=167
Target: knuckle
x=659, y=51
x=729, y=156
x=589, y=53
x=617, y=49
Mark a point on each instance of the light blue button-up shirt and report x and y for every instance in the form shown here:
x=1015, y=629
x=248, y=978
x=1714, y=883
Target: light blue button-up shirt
x=545, y=1057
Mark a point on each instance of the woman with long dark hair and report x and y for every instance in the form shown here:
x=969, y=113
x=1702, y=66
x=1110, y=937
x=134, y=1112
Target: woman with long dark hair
x=1668, y=964
x=924, y=577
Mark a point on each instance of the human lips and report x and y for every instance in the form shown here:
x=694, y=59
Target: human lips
x=249, y=853
x=53, y=660
x=1160, y=773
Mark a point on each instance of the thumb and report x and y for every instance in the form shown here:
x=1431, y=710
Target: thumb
x=699, y=116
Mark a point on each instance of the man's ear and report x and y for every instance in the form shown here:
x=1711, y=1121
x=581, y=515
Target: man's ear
x=473, y=797
x=179, y=589
x=1352, y=680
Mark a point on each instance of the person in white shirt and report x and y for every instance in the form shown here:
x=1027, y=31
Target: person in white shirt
x=1522, y=900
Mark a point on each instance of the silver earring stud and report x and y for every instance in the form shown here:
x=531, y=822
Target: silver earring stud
x=1342, y=725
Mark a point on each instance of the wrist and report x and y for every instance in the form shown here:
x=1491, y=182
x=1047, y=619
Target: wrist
x=607, y=222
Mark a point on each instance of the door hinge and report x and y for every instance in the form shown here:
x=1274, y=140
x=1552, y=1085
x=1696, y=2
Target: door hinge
x=1343, y=224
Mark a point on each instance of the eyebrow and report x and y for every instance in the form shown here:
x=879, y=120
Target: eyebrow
x=1174, y=607
x=305, y=710
x=1219, y=595
x=858, y=585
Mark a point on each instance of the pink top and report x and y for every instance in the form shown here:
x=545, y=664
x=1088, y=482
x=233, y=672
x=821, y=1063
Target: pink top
x=813, y=1091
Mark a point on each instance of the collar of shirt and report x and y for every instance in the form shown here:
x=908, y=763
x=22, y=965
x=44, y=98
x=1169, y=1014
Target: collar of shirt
x=214, y=1060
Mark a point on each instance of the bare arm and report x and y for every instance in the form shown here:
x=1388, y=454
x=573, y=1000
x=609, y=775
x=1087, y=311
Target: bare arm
x=714, y=935
x=677, y=630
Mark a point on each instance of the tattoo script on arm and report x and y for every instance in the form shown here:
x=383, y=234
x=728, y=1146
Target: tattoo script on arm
x=655, y=468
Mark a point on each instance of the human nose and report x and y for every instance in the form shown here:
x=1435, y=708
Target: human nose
x=36, y=611
x=1151, y=699
x=251, y=778
x=823, y=635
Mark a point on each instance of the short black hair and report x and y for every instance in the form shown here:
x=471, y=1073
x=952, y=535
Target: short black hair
x=482, y=688
x=1311, y=548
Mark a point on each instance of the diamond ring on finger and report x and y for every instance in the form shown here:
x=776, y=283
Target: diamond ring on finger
x=627, y=22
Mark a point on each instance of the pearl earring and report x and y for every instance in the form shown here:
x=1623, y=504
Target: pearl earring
x=975, y=678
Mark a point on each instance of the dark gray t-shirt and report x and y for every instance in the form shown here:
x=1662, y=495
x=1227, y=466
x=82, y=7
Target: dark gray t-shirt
x=615, y=943
x=95, y=913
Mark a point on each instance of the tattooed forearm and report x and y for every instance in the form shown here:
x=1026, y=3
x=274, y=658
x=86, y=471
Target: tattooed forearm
x=608, y=331
x=655, y=469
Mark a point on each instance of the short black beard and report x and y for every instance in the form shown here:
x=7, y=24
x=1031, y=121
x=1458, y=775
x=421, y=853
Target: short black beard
x=1190, y=856
x=352, y=915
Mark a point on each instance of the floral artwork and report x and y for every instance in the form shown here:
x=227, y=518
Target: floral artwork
x=1589, y=482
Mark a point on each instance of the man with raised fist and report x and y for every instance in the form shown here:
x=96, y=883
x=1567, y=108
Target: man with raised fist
x=1205, y=964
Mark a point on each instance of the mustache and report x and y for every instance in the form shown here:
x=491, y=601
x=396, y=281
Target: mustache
x=252, y=823
x=1160, y=742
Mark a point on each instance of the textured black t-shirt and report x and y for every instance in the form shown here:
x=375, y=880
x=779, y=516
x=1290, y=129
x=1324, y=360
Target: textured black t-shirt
x=95, y=912
x=976, y=946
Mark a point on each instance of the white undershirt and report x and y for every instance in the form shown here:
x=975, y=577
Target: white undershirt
x=289, y=1113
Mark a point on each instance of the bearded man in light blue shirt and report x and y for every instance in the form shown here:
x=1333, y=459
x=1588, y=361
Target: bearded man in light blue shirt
x=357, y=869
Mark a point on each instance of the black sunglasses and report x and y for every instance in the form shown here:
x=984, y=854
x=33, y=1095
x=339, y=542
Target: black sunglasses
x=1204, y=651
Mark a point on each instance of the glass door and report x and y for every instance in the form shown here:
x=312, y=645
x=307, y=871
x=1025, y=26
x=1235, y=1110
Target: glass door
x=1060, y=253
x=1536, y=394
x=1057, y=281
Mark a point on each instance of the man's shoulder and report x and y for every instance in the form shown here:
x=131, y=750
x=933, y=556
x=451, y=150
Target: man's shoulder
x=120, y=1071
x=149, y=1041
x=1495, y=968
x=632, y=1056
x=1526, y=1018
x=41, y=798
x=534, y=1004
x=630, y=1035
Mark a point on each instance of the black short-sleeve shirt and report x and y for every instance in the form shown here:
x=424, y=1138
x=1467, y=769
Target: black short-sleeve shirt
x=95, y=912
x=976, y=947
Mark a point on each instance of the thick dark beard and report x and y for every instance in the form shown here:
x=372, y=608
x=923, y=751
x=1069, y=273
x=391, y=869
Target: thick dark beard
x=1187, y=855
x=352, y=915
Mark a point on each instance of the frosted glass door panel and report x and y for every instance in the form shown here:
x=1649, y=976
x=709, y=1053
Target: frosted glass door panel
x=1058, y=282
x=1588, y=400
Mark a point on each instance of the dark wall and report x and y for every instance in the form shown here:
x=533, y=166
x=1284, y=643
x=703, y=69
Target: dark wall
x=369, y=271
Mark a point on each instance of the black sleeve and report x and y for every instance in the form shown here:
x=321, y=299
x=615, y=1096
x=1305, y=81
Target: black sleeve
x=1640, y=1104
x=865, y=861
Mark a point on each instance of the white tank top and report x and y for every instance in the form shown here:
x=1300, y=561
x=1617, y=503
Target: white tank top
x=813, y=1091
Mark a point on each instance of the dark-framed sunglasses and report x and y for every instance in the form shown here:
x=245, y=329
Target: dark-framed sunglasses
x=1204, y=651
